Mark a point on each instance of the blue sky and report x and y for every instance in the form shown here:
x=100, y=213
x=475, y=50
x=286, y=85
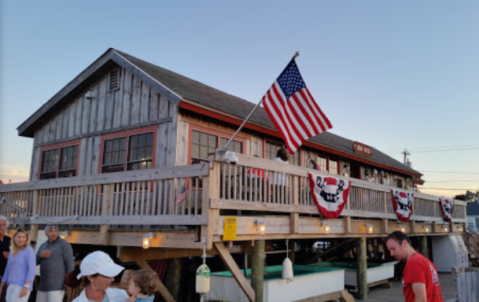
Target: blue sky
x=390, y=74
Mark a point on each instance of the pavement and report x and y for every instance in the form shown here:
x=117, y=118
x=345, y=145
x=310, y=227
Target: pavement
x=394, y=294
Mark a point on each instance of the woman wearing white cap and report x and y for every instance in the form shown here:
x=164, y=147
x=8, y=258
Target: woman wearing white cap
x=99, y=271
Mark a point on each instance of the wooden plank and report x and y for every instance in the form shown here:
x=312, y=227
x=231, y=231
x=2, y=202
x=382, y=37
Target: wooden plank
x=144, y=102
x=129, y=254
x=102, y=92
x=126, y=98
x=172, y=135
x=95, y=155
x=362, y=267
x=135, y=101
x=235, y=271
x=161, y=145
x=53, y=127
x=85, y=121
x=154, y=102
x=59, y=121
x=118, y=103
x=65, y=122
x=71, y=119
x=127, y=176
x=132, y=219
x=93, y=108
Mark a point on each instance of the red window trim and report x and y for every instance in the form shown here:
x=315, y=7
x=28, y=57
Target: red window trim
x=59, y=146
x=194, y=127
x=127, y=134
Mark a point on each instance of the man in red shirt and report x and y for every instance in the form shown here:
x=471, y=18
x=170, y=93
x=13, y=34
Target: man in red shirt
x=420, y=278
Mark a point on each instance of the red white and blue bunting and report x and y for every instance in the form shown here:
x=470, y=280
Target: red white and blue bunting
x=329, y=193
x=402, y=203
x=447, y=206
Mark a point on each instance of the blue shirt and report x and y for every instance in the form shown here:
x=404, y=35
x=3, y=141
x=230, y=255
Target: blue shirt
x=147, y=299
x=21, y=268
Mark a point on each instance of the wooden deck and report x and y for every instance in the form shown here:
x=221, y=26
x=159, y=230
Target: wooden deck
x=119, y=208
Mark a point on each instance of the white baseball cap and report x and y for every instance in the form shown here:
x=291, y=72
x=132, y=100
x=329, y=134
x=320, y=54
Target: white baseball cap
x=99, y=263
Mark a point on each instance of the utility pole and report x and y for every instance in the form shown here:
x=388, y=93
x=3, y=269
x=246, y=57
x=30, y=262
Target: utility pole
x=406, y=153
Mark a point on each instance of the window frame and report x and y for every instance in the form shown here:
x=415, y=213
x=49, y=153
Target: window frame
x=127, y=134
x=274, y=142
x=59, y=147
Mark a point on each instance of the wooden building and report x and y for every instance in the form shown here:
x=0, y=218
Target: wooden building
x=116, y=148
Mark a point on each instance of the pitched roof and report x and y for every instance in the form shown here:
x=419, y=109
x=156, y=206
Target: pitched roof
x=218, y=100
x=176, y=87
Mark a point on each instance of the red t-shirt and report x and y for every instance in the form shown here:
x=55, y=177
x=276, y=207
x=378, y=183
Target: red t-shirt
x=420, y=270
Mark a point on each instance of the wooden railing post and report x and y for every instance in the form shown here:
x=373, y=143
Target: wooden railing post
x=211, y=189
x=295, y=215
x=35, y=211
x=107, y=202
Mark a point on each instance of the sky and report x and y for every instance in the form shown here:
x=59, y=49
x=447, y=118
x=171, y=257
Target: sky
x=389, y=74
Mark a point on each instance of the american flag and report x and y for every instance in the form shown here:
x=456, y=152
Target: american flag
x=182, y=195
x=293, y=110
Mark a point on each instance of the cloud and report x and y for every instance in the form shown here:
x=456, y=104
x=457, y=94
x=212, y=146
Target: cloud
x=13, y=175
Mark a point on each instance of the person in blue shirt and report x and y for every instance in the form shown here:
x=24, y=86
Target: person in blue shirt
x=20, y=270
x=144, y=283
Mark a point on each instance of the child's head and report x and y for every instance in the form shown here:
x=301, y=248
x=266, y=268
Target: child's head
x=143, y=281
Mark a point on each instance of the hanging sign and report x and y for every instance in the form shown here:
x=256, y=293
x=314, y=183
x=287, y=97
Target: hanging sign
x=362, y=149
x=329, y=193
x=229, y=228
x=447, y=206
x=402, y=203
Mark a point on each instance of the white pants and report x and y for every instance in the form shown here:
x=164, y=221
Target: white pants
x=13, y=293
x=51, y=296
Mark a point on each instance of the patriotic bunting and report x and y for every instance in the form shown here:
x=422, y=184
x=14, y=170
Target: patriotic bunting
x=447, y=206
x=329, y=193
x=402, y=203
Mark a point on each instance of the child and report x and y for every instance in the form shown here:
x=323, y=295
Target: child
x=143, y=285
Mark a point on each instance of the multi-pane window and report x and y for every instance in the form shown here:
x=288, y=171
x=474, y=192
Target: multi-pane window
x=333, y=167
x=272, y=149
x=59, y=162
x=322, y=162
x=203, y=144
x=138, y=157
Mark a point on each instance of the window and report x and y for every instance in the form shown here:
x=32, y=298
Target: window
x=59, y=162
x=272, y=149
x=203, y=144
x=322, y=162
x=333, y=166
x=128, y=152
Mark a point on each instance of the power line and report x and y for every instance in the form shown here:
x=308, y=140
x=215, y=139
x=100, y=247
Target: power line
x=453, y=181
x=435, y=148
x=449, y=172
x=447, y=189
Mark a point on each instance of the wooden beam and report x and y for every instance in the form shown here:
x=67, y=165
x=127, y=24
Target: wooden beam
x=347, y=225
x=161, y=288
x=423, y=246
x=235, y=270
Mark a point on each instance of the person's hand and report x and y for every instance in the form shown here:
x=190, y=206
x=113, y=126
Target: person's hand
x=6, y=254
x=24, y=292
x=45, y=253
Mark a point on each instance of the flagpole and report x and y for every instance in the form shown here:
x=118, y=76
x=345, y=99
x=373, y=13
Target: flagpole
x=249, y=115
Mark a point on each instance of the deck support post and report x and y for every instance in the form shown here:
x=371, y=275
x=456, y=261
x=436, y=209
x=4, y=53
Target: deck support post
x=173, y=277
x=257, y=269
x=362, y=264
x=423, y=246
x=36, y=211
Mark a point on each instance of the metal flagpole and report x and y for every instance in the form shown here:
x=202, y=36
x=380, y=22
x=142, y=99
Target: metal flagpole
x=249, y=115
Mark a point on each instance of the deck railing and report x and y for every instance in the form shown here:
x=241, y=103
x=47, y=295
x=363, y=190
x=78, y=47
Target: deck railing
x=151, y=197
x=272, y=186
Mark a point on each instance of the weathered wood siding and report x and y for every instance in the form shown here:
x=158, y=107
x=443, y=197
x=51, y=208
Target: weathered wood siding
x=133, y=105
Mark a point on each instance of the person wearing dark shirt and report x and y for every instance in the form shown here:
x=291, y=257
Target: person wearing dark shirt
x=4, y=251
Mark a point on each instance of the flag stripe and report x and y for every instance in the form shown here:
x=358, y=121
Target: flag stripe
x=293, y=110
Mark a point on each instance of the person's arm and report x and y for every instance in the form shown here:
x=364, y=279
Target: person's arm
x=419, y=290
x=39, y=258
x=68, y=257
x=31, y=266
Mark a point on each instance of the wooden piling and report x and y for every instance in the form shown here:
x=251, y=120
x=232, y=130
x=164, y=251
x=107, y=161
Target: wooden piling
x=423, y=246
x=362, y=268
x=257, y=269
x=173, y=277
